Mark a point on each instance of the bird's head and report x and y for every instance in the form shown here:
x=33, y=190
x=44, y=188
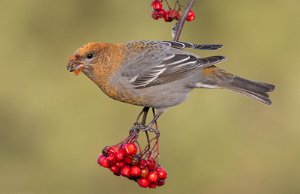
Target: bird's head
x=85, y=58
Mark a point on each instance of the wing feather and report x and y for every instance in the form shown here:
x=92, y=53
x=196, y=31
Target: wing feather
x=171, y=70
x=183, y=45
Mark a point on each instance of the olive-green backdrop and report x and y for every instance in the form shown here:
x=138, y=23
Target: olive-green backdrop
x=53, y=124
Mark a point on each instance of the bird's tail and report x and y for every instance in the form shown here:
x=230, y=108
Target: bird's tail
x=256, y=90
x=212, y=77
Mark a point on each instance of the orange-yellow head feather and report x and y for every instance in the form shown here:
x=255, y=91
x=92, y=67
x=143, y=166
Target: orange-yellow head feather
x=85, y=57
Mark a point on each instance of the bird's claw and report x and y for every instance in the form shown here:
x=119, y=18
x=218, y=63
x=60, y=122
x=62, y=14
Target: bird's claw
x=140, y=127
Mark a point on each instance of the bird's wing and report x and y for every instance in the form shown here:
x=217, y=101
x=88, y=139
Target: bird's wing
x=173, y=67
x=149, y=63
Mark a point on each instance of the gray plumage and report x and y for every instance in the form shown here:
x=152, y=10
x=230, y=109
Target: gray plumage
x=162, y=73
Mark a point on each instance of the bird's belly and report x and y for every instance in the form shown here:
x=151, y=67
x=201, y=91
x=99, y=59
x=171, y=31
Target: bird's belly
x=161, y=96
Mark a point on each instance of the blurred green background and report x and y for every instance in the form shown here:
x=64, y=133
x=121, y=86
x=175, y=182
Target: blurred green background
x=53, y=124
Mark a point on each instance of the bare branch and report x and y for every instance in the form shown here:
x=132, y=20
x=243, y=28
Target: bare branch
x=178, y=26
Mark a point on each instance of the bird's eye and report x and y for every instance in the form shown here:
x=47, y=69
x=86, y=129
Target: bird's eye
x=89, y=56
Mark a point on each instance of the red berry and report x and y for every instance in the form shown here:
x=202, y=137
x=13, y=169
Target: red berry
x=161, y=13
x=143, y=182
x=161, y=173
x=152, y=177
x=102, y=161
x=167, y=18
x=151, y=164
x=173, y=13
x=130, y=149
x=160, y=182
x=120, y=164
x=190, y=16
x=152, y=186
x=125, y=171
x=100, y=158
x=112, y=158
x=115, y=169
x=144, y=172
x=178, y=15
x=143, y=163
x=135, y=171
x=170, y=15
x=120, y=154
x=155, y=15
x=156, y=4
x=111, y=149
x=127, y=160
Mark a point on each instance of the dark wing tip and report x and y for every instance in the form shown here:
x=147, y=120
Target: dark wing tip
x=221, y=58
x=208, y=61
x=268, y=102
x=208, y=46
x=271, y=87
x=217, y=59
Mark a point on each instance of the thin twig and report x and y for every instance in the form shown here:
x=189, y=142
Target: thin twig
x=179, y=25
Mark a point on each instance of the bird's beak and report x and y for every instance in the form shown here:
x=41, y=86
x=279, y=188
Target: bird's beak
x=75, y=66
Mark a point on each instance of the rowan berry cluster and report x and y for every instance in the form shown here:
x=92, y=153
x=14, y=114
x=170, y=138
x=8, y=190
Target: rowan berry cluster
x=129, y=160
x=170, y=14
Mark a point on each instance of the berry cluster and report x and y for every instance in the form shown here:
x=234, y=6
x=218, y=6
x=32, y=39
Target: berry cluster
x=129, y=160
x=170, y=14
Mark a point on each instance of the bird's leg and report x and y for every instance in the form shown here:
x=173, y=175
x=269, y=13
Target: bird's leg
x=145, y=110
x=140, y=125
x=156, y=124
x=154, y=121
x=155, y=140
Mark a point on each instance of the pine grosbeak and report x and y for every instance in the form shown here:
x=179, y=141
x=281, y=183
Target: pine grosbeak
x=158, y=74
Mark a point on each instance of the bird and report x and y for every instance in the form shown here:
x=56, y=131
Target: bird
x=158, y=74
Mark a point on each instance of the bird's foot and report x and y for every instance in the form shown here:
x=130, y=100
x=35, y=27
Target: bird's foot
x=153, y=130
x=140, y=127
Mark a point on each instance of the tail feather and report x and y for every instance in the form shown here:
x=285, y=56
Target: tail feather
x=256, y=90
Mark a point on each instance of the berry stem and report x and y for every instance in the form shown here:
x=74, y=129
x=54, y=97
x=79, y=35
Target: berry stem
x=155, y=147
x=168, y=4
x=177, y=2
x=148, y=140
x=179, y=25
x=139, y=147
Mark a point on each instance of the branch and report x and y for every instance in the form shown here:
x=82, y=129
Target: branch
x=178, y=26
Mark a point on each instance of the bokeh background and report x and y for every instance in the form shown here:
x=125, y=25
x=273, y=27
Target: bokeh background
x=53, y=124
